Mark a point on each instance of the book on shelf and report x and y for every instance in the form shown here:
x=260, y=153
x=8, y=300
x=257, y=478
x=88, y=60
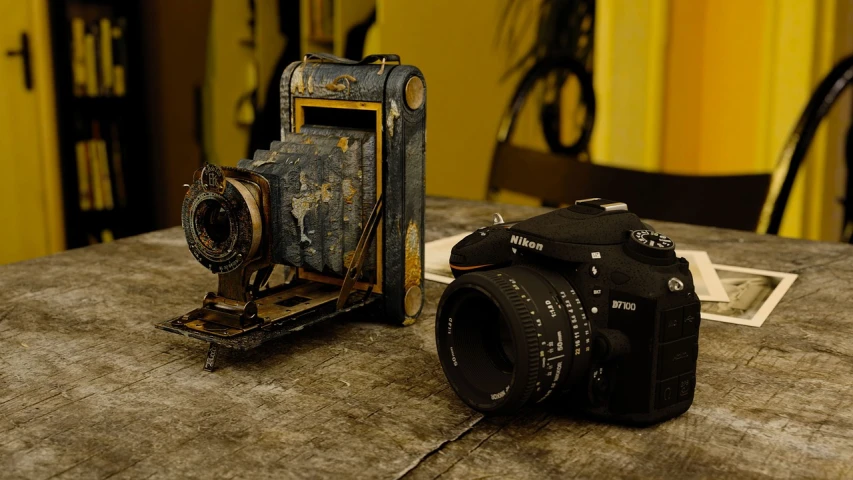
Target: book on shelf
x=91, y=65
x=99, y=57
x=78, y=56
x=95, y=173
x=84, y=188
x=95, y=183
x=106, y=55
x=120, y=56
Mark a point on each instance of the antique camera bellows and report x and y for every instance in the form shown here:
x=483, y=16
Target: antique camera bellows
x=322, y=187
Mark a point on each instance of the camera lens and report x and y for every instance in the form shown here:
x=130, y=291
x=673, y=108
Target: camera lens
x=223, y=219
x=512, y=336
x=214, y=222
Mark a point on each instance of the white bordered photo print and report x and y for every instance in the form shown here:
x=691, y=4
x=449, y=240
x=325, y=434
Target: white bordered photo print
x=753, y=294
x=437, y=258
x=708, y=286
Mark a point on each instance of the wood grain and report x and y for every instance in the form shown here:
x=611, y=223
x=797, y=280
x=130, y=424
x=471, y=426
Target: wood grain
x=89, y=389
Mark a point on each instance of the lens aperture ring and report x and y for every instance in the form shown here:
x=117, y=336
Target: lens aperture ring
x=576, y=345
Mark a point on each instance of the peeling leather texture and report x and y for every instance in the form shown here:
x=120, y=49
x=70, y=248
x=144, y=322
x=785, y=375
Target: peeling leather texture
x=366, y=142
x=307, y=206
x=403, y=155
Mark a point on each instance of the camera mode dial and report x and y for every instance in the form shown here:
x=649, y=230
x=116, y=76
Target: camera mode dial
x=649, y=243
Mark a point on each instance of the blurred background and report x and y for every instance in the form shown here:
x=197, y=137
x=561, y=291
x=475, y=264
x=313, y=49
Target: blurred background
x=108, y=106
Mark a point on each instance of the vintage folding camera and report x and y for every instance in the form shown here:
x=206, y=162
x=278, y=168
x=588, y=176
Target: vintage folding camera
x=584, y=307
x=338, y=201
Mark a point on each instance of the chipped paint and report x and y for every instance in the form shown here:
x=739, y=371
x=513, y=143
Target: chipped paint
x=414, y=265
x=349, y=190
x=299, y=73
x=393, y=115
x=311, y=79
x=343, y=144
x=264, y=161
x=341, y=83
x=311, y=194
x=348, y=258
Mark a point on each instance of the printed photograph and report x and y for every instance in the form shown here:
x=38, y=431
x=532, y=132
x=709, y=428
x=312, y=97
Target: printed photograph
x=753, y=294
x=708, y=286
x=437, y=258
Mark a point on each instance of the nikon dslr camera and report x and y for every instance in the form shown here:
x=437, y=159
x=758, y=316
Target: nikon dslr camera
x=585, y=306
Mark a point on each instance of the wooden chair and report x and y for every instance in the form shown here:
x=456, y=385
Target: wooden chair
x=745, y=202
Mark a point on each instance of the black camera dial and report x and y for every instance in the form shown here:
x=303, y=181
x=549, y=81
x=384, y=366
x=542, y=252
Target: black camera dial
x=649, y=244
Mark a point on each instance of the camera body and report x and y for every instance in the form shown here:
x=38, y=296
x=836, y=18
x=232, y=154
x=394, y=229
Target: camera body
x=338, y=201
x=601, y=314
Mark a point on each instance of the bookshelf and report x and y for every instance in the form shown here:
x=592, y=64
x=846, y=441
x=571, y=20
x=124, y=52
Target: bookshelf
x=107, y=175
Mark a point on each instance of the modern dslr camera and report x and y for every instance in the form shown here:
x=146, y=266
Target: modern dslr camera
x=585, y=307
x=338, y=201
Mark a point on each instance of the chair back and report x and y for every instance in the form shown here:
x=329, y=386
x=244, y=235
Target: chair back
x=732, y=201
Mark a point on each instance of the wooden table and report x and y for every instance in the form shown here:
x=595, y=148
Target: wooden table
x=88, y=388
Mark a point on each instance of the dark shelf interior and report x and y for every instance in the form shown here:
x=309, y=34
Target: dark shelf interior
x=124, y=116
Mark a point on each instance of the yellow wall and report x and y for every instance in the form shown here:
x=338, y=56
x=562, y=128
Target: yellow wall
x=628, y=73
x=233, y=70
x=714, y=85
x=463, y=65
x=738, y=75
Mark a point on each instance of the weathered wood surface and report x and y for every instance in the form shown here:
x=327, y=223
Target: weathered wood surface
x=89, y=389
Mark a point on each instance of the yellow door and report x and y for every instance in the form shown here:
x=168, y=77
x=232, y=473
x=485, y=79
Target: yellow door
x=30, y=197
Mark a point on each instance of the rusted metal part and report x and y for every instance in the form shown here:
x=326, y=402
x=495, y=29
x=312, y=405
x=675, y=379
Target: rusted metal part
x=246, y=340
x=354, y=269
x=414, y=301
x=414, y=93
x=225, y=317
x=210, y=361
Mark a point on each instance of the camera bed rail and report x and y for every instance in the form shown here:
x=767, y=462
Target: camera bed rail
x=263, y=333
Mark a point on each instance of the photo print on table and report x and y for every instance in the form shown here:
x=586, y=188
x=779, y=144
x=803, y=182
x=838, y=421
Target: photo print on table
x=753, y=294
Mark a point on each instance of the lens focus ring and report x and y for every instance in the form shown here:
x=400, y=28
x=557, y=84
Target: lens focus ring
x=510, y=288
x=545, y=320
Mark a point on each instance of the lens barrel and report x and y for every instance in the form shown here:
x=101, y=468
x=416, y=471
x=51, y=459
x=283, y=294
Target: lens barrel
x=512, y=336
x=223, y=224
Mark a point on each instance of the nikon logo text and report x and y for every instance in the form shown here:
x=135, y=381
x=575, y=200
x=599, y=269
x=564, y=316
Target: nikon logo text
x=523, y=242
x=620, y=305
